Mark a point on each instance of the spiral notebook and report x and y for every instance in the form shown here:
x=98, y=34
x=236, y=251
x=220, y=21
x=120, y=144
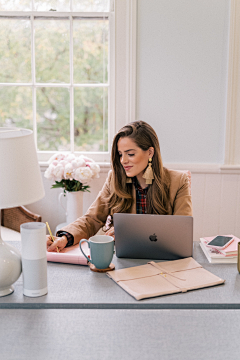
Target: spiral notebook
x=70, y=255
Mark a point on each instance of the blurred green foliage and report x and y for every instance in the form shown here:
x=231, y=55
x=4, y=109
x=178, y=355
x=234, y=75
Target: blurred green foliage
x=90, y=64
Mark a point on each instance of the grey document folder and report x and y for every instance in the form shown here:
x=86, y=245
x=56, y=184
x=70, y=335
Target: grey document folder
x=146, y=236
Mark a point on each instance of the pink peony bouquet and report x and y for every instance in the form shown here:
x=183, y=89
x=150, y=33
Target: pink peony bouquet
x=71, y=172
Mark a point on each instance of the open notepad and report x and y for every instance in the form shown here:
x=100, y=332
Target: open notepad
x=70, y=255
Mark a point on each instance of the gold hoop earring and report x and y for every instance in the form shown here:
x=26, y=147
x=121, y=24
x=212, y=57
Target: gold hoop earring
x=148, y=174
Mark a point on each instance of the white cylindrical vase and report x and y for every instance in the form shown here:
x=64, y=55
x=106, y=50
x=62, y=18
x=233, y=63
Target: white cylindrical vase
x=74, y=205
x=34, y=259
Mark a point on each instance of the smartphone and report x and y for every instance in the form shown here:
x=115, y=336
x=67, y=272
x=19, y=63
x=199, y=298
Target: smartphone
x=220, y=242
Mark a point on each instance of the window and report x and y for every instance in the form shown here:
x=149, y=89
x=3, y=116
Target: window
x=57, y=72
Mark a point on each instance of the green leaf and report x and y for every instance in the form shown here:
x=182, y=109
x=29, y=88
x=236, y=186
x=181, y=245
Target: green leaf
x=57, y=185
x=70, y=185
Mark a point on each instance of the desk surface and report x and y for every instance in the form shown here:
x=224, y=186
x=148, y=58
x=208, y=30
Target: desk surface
x=77, y=287
x=119, y=334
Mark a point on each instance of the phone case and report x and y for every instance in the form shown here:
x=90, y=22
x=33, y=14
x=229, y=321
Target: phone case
x=220, y=247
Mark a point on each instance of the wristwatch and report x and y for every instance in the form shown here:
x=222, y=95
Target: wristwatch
x=69, y=237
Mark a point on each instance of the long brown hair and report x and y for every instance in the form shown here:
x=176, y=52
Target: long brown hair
x=121, y=198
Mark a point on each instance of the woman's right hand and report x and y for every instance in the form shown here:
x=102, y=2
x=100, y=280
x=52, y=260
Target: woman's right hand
x=58, y=244
x=110, y=232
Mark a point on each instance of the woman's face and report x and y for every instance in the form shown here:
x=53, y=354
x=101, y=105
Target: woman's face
x=133, y=158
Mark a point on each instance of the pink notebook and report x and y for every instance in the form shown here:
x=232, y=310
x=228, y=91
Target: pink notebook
x=70, y=255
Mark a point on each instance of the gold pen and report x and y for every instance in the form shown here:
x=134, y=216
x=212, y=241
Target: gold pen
x=49, y=230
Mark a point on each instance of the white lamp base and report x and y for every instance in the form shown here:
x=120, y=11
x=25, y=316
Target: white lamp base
x=9, y=290
x=10, y=267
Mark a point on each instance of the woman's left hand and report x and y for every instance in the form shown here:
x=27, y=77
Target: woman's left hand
x=110, y=232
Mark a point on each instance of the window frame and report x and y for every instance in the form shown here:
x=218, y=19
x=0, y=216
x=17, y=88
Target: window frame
x=43, y=156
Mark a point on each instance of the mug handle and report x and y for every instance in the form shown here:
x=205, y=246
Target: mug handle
x=83, y=251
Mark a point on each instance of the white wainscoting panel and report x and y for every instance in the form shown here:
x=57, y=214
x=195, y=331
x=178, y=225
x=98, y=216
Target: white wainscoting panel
x=198, y=198
x=211, y=209
x=216, y=204
x=238, y=210
x=229, y=203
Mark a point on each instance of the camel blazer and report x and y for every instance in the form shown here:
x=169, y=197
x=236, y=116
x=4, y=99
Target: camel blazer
x=96, y=216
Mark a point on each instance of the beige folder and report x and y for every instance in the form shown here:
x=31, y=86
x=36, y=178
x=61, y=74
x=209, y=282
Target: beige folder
x=162, y=278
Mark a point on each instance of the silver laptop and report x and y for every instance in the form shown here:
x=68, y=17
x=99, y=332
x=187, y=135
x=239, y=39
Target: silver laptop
x=145, y=236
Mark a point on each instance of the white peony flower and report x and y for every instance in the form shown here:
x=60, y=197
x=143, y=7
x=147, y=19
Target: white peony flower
x=80, y=161
x=87, y=159
x=49, y=172
x=58, y=172
x=74, y=164
x=68, y=171
x=95, y=169
x=83, y=174
x=57, y=157
x=63, y=162
x=70, y=157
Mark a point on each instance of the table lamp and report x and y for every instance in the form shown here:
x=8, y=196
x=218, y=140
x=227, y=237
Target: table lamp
x=20, y=184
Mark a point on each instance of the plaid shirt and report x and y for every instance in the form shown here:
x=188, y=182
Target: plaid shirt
x=141, y=208
x=141, y=197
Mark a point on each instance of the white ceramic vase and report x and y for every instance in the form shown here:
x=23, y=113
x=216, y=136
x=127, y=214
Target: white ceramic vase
x=74, y=205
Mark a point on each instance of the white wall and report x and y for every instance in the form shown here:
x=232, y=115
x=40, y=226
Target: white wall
x=182, y=61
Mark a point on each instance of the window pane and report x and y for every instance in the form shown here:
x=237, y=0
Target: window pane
x=15, y=5
x=52, y=51
x=52, y=5
x=53, y=124
x=91, y=5
x=15, y=50
x=91, y=119
x=90, y=51
x=16, y=106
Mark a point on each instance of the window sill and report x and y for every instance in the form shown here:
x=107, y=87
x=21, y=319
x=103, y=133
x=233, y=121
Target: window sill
x=104, y=166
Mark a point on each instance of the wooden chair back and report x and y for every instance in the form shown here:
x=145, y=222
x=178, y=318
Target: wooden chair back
x=12, y=218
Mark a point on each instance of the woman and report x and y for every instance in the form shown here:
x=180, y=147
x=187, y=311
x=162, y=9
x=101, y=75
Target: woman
x=138, y=183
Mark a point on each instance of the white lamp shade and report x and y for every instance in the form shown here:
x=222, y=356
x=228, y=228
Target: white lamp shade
x=20, y=176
